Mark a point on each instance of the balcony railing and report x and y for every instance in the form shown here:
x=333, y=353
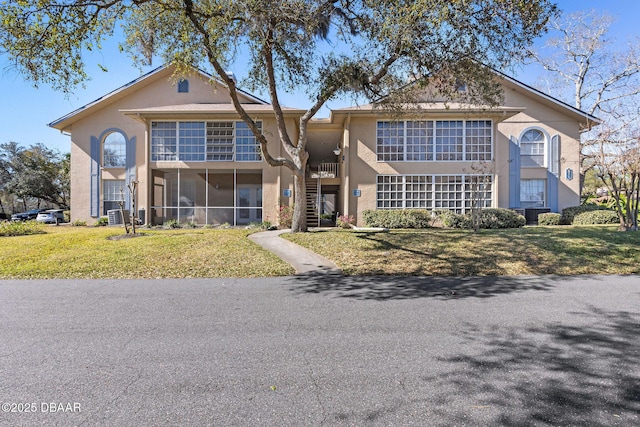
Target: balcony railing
x=326, y=170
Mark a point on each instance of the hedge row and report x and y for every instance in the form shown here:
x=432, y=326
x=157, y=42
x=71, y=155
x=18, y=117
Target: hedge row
x=596, y=217
x=568, y=214
x=550, y=218
x=397, y=218
x=491, y=218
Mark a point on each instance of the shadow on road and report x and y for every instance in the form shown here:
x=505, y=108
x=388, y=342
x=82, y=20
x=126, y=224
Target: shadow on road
x=554, y=374
x=393, y=288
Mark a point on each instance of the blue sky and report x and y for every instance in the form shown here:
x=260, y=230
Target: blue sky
x=26, y=111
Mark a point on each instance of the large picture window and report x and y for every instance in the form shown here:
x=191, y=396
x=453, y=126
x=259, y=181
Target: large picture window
x=204, y=141
x=458, y=193
x=439, y=140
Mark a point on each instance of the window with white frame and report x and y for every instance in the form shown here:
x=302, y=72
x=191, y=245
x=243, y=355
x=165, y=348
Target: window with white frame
x=449, y=140
x=532, y=148
x=113, y=190
x=164, y=142
x=453, y=192
x=428, y=140
x=390, y=141
x=532, y=193
x=190, y=141
x=478, y=140
x=114, y=151
x=247, y=148
x=204, y=141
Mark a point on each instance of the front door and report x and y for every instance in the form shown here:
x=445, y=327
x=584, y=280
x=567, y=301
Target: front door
x=249, y=203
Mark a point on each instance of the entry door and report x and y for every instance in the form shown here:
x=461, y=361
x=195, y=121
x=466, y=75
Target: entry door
x=249, y=203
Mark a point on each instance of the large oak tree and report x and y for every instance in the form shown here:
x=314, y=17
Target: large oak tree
x=328, y=48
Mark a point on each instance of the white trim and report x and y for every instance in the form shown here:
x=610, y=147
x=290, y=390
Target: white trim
x=547, y=143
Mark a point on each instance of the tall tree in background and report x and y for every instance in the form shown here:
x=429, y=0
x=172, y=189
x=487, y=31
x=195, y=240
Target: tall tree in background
x=327, y=48
x=36, y=172
x=588, y=70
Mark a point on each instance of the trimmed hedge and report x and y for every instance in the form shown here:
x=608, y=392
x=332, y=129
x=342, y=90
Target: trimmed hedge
x=568, y=214
x=550, y=218
x=491, y=218
x=596, y=217
x=388, y=218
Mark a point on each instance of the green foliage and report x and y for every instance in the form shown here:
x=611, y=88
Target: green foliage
x=20, y=228
x=327, y=50
x=264, y=225
x=568, y=214
x=549, y=218
x=285, y=216
x=102, y=222
x=345, y=221
x=171, y=224
x=400, y=218
x=67, y=216
x=189, y=224
x=491, y=218
x=79, y=223
x=37, y=172
x=596, y=217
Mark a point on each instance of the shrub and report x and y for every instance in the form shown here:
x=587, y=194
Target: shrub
x=401, y=218
x=344, y=221
x=101, y=222
x=189, y=224
x=568, y=214
x=79, y=223
x=596, y=217
x=264, y=225
x=20, y=228
x=549, y=218
x=285, y=216
x=170, y=224
x=67, y=216
x=491, y=218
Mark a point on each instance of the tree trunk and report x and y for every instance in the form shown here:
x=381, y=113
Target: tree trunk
x=299, y=220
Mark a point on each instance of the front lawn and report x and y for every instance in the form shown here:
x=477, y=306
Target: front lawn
x=85, y=252
x=444, y=252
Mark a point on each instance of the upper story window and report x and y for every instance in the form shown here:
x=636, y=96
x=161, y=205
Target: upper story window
x=204, y=141
x=183, y=86
x=114, y=151
x=440, y=140
x=532, y=148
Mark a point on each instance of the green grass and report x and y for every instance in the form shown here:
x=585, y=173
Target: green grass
x=442, y=252
x=85, y=252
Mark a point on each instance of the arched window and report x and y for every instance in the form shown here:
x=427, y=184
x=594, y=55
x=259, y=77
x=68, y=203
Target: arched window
x=183, y=86
x=114, y=151
x=532, y=148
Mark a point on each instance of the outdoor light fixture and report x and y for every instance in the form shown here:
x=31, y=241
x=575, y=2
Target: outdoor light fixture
x=337, y=150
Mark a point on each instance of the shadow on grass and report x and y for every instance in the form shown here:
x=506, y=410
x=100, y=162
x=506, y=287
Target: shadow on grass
x=555, y=374
x=397, y=288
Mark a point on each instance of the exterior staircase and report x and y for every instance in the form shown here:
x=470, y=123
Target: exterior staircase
x=313, y=220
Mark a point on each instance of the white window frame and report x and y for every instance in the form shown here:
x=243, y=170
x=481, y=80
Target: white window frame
x=120, y=151
x=171, y=148
x=545, y=147
x=400, y=150
x=534, y=203
x=431, y=191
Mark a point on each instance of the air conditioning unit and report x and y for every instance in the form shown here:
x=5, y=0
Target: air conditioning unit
x=115, y=218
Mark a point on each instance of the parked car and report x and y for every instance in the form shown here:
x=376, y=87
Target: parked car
x=24, y=216
x=52, y=216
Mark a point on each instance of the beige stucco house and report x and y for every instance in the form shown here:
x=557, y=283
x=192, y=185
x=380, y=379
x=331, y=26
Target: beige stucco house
x=196, y=161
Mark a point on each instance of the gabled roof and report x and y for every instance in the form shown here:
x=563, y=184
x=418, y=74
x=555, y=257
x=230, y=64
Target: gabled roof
x=457, y=108
x=62, y=122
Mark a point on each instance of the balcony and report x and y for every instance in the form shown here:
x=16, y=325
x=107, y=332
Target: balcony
x=325, y=170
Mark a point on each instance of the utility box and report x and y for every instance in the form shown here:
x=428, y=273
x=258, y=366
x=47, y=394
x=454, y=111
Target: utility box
x=115, y=217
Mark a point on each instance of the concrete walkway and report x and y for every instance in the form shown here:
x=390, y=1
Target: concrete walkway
x=302, y=260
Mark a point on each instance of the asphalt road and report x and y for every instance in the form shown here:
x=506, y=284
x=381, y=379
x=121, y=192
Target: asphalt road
x=321, y=350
